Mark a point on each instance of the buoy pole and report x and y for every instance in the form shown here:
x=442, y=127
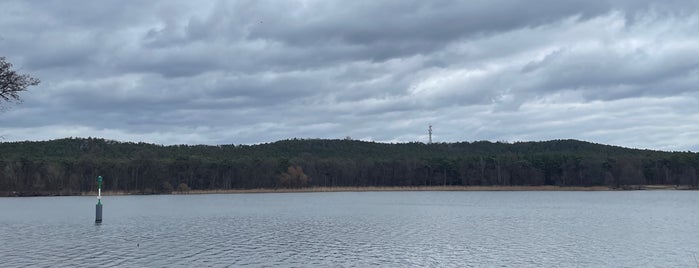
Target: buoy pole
x=98, y=208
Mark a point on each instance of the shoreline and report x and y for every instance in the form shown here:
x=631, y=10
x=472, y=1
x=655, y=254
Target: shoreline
x=518, y=188
x=322, y=189
x=400, y=189
x=377, y=189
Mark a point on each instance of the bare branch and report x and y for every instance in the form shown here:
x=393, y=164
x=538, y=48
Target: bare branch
x=12, y=83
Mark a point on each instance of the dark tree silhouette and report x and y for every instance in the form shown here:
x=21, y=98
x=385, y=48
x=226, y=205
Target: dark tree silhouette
x=69, y=166
x=12, y=83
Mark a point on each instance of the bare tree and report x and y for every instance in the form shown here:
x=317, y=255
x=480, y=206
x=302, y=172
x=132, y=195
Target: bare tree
x=294, y=178
x=12, y=83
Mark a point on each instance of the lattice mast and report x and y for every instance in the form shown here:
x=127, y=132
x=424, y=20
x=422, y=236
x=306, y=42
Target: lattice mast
x=429, y=131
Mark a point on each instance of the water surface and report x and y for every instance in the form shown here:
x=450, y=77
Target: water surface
x=388, y=229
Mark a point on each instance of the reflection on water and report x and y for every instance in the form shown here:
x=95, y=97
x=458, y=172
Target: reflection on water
x=390, y=229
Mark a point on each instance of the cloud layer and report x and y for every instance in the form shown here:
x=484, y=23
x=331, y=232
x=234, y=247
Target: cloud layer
x=170, y=72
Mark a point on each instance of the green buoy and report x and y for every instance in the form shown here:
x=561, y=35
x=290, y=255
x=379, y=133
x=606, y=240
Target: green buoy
x=98, y=208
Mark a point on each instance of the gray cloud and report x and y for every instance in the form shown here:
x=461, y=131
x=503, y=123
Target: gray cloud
x=619, y=72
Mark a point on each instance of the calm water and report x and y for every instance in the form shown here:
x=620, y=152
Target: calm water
x=388, y=229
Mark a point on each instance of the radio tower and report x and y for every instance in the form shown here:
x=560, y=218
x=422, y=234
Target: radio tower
x=429, y=130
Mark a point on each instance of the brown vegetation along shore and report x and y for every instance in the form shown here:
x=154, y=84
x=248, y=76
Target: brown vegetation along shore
x=387, y=189
x=426, y=188
x=439, y=188
x=400, y=188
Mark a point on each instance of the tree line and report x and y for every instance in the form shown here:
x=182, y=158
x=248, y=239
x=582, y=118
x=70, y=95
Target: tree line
x=70, y=166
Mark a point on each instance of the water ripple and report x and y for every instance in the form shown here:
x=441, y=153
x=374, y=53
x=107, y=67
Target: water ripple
x=440, y=229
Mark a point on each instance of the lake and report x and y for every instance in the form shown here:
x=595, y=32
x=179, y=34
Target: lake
x=356, y=229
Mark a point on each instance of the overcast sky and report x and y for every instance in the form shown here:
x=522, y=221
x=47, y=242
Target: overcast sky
x=244, y=72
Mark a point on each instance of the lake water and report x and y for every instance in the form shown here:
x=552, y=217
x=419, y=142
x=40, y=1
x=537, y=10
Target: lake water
x=387, y=229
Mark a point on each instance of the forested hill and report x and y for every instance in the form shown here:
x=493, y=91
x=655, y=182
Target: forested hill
x=70, y=166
